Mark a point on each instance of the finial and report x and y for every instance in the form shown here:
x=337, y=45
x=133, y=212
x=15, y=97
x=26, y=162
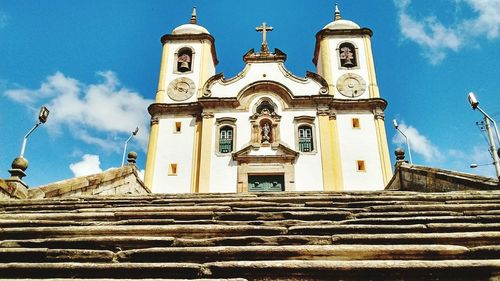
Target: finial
x=19, y=165
x=193, y=16
x=132, y=158
x=337, y=12
x=400, y=155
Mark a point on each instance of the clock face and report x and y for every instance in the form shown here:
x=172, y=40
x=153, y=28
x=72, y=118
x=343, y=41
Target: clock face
x=351, y=85
x=181, y=89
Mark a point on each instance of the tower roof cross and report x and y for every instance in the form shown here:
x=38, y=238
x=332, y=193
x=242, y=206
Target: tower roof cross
x=264, y=29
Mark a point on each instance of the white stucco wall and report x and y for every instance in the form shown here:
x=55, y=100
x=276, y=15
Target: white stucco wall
x=270, y=71
x=359, y=144
x=174, y=148
x=308, y=172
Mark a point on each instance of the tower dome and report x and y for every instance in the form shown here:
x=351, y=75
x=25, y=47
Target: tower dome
x=190, y=28
x=339, y=23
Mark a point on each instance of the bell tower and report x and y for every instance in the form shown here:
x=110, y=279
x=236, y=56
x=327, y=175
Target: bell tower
x=188, y=60
x=343, y=57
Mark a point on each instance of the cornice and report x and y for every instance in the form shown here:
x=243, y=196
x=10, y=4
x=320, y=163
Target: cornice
x=158, y=109
x=377, y=105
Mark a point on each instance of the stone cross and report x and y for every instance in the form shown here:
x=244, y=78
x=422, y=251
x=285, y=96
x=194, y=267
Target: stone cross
x=264, y=29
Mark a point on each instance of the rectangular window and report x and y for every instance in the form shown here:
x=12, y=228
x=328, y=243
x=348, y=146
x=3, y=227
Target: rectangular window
x=355, y=123
x=305, y=138
x=172, y=169
x=177, y=128
x=361, y=165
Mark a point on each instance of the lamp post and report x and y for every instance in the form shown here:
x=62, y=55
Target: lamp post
x=42, y=118
x=126, y=142
x=396, y=126
x=474, y=103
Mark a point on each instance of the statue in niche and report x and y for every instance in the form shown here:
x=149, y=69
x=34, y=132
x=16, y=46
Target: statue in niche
x=266, y=130
x=347, y=56
x=184, y=62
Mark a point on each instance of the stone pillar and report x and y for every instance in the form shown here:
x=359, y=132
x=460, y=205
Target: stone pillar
x=151, y=156
x=383, y=148
x=14, y=187
x=206, y=152
x=330, y=150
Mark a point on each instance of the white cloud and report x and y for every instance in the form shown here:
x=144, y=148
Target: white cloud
x=488, y=20
x=419, y=143
x=102, y=114
x=436, y=39
x=89, y=164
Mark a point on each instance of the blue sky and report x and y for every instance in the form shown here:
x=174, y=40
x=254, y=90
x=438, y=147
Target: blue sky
x=95, y=64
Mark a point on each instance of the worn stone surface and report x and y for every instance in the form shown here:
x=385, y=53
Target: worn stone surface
x=386, y=235
x=124, y=180
x=411, y=177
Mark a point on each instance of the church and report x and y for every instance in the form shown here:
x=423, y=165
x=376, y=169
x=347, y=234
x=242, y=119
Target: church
x=266, y=129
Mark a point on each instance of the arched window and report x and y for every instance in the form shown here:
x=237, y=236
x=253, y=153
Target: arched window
x=184, y=60
x=305, y=134
x=226, y=139
x=347, y=55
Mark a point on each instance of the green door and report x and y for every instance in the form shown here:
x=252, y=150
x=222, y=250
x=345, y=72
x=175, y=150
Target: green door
x=269, y=183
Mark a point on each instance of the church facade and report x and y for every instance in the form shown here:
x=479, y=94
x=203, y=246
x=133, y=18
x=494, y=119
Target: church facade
x=267, y=129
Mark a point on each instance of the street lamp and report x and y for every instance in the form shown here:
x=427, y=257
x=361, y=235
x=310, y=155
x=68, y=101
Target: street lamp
x=474, y=165
x=42, y=118
x=126, y=142
x=396, y=126
x=474, y=103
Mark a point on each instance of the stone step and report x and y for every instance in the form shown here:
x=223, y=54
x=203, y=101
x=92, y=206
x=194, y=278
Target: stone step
x=263, y=270
x=101, y=270
x=255, y=241
x=199, y=231
x=329, y=229
x=8, y=255
x=456, y=270
x=423, y=220
x=308, y=252
x=434, y=207
x=117, y=243
x=468, y=239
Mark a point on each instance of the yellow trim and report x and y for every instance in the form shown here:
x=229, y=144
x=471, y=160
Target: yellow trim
x=372, y=84
x=151, y=156
x=160, y=93
x=326, y=66
x=337, y=161
x=330, y=154
x=205, y=154
x=195, y=171
x=383, y=149
x=205, y=61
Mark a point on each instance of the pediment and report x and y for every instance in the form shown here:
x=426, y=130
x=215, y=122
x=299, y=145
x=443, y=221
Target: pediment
x=255, y=154
x=265, y=70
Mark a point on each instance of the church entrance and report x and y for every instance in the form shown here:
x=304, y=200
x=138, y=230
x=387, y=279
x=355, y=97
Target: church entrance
x=263, y=183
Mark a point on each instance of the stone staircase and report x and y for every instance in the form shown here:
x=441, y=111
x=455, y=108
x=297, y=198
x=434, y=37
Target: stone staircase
x=387, y=235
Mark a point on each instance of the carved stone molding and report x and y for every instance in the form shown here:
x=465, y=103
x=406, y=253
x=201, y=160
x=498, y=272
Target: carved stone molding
x=379, y=116
x=323, y=111
x=207, y=114
x=154, y=120
x=333, y=115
